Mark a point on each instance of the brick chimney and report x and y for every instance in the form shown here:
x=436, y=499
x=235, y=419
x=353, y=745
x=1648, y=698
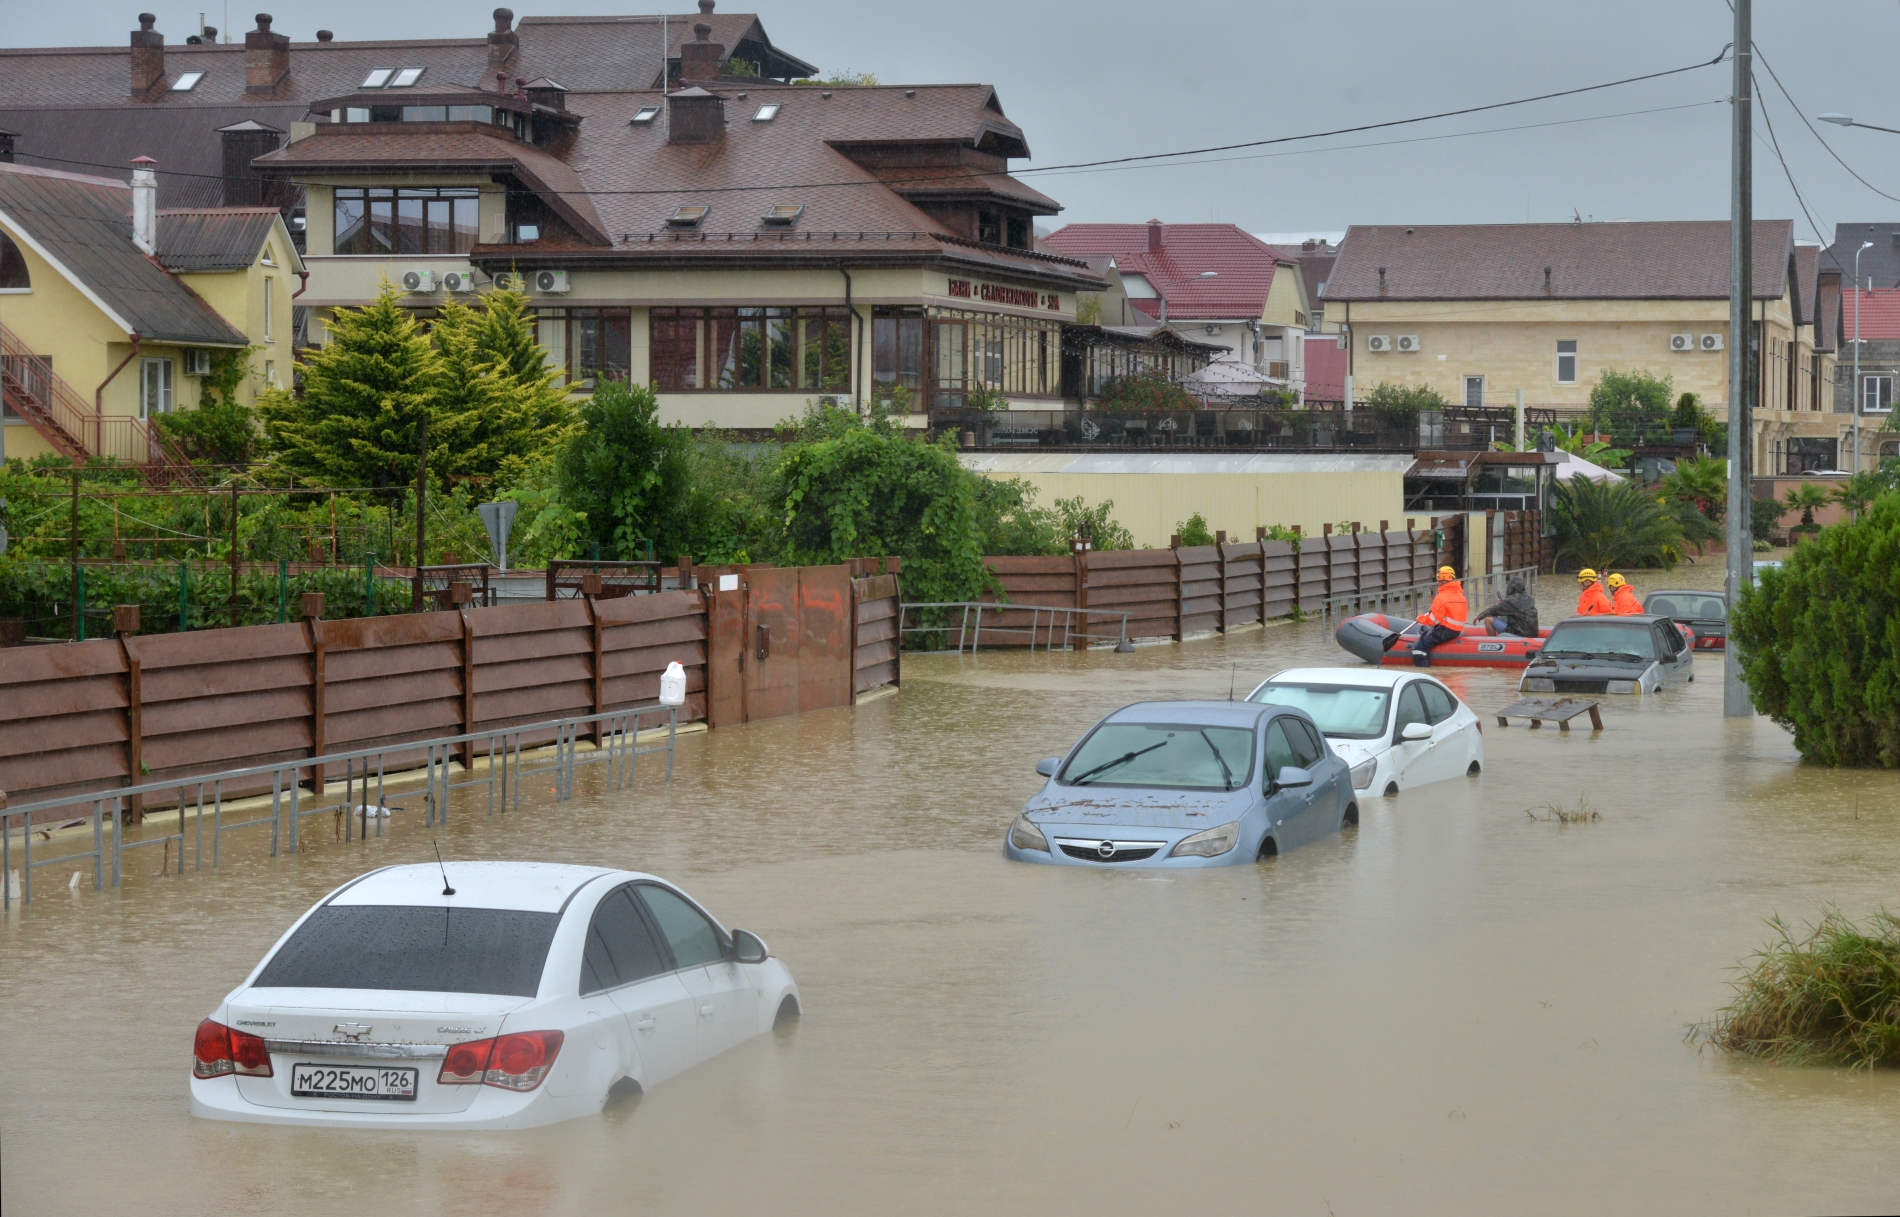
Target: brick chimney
x=145, y=204
x=148, y=55
x=504, y=44
x=266, y=57
x=243, y=143
x=700, y=59
x=694, y=116
x=1157, y=237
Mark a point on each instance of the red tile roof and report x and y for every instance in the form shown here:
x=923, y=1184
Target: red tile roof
x=1243, y=265
x=1669, y=260
x=1879, y=315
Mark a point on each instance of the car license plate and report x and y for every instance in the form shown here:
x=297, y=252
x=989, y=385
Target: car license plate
x=352, y=1082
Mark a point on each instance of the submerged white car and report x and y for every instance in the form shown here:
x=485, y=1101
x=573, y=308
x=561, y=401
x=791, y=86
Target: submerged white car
x=482, y=995
x=1395, y=729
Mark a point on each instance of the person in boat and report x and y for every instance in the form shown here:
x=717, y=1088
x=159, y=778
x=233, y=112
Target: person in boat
x=1445, y=621
x=1623, y=598
x=1593, y=600
x=1515, y=614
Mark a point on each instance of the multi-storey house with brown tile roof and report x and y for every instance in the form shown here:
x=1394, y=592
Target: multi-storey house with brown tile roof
x=1489, y=314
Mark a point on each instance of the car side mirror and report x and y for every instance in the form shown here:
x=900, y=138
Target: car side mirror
x=1415, y=731
x=747, y=947
x=1292, y=778
x=1048, y=765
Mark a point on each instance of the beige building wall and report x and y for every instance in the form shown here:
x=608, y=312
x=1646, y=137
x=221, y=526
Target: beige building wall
x=1153, y=496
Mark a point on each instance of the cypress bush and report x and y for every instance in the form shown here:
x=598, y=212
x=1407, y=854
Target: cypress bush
x=1820, y=642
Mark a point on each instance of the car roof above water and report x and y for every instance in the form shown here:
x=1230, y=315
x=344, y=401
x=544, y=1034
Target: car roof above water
x=536, y=887
x=1350, y=678
x=1191, y=713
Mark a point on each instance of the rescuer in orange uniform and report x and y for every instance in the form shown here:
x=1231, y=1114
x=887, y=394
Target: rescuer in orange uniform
x=1594, y=602
x=1623, y=598
x=1445, y=620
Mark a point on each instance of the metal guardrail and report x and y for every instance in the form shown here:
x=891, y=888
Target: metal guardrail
x=1035, y=611
x=617, y=746
x=1480, y=592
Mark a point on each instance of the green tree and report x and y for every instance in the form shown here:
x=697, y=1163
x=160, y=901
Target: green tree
x=365, y=395
x=1804, y=498
x=1702, y=481
x=1194, y=531
x=1633, y=406
x=1146, y=391
x=1614, y=524
x=1819, y=640
x=222, y=430
x=1404, y=403
x=1763, y=517
x=625, y=474
x=498, y=406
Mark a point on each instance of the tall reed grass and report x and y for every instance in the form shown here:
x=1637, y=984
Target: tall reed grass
x=1829, y=996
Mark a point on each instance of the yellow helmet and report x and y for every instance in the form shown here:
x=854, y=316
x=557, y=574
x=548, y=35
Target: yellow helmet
x=1446, y=572
x=1586, y=575
x=1617, y=581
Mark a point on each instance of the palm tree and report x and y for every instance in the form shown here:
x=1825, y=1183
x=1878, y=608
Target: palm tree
x=1859, y=491
x=1701, y=480
x=1804, y=499
x=1614, y=524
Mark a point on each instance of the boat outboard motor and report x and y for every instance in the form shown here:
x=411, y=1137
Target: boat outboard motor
x=1366, y=635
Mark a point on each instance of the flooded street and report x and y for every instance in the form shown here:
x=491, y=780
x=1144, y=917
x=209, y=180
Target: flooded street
x=1455, y=1008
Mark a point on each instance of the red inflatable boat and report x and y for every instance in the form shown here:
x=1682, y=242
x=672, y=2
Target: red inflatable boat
x=1365, y=637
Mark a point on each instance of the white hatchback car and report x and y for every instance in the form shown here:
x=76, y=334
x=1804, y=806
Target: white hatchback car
x=482, y=995
x=1395, y=729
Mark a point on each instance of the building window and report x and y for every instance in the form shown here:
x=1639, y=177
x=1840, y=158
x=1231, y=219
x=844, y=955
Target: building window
x=897, y=350
x=1018, y=232
x=1474, y=391
x=592, y=344
x=1566, y=361
x=989, y=227
x=410, y=220
x=750, y=350
x=990, y=351
x=155, y=387
x=1876, y=393
x=269, y=283
x=13, y=275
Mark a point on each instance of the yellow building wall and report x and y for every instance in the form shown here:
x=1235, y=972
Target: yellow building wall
x=260, y=301
x=1152, y=506
x=1286, y=299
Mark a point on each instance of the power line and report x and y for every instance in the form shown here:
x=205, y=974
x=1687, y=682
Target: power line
x=1824, y=238
x=1800, y=113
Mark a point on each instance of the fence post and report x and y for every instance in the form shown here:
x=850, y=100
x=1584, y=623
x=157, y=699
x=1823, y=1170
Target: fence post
x=134, y=727
x=184, y=596
x=369, y=585
x=283, y=586
x=79, y=602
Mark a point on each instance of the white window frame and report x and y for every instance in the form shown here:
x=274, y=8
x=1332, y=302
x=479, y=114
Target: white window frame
x=1868, y=389
x=1480, y=383
x=269, y=285
x=162, y=369
x=1571, y=355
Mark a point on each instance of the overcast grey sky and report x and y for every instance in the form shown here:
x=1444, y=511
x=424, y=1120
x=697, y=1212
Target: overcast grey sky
x=1114, y=78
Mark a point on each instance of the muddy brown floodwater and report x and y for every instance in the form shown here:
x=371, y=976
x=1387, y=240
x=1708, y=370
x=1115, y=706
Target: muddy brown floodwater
x=1453, y=1009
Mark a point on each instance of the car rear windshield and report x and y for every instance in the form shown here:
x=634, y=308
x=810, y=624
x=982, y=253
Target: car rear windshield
x=1340, y=711
x=426, y=950
x=1165, y=754
x=1602, y=638
x=1687, y=606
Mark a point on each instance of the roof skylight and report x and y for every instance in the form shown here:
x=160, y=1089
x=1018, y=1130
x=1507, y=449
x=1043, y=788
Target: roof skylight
x=646, y=115
x=784, y=215
x=688, y=216
x=406, y=77
x=187, y=82
x=377, y=78
x=767, y=112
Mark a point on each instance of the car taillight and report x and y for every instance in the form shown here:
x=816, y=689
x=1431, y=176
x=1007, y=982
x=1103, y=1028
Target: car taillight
x=218, y=1050
x=508, y=1062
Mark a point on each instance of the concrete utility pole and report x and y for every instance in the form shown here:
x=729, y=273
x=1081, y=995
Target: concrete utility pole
x=1864, y=247
x=1741, y=364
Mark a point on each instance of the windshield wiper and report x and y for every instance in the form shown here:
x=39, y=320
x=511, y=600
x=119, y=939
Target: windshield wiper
x=1123, y=759
x=1624, y=655
x=1227, y=775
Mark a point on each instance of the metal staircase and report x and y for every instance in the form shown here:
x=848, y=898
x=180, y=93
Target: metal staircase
x=76, y=430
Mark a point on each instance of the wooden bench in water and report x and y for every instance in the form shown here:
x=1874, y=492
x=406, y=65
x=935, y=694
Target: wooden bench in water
x=1541, y=710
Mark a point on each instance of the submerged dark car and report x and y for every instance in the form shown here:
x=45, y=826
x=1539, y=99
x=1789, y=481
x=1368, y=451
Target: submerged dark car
x=1612, y=655
x=1705, y=613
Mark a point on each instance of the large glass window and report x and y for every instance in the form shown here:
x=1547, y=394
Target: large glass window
x=897, y=350
x=429, y=950
x=1162, y=754
x=1000, y=353
x=748, y=350
x=592, y=344
x=407, y=220
x=155, y=387
x=693, y=939
x=620, y=949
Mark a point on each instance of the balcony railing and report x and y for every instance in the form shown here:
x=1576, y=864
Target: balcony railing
x=1277, y=430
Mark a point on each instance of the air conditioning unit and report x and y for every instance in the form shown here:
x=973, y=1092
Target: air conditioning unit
x=197, y=363
x=1682, y=342
x=1408, y=343
x=510, y=282
x=1378, y=344
x=1711, y=342
x=458, y=281
x=418, y=280
x=550, y=281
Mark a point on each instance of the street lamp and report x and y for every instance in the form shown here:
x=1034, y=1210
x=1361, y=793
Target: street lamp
x=1845, y=120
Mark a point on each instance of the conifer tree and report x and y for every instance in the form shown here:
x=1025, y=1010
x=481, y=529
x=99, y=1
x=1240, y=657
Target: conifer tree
x=500, y=407
x=365, y=394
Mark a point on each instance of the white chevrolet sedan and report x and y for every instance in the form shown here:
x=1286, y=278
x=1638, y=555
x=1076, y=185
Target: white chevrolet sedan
x=482, y=995
x=1395, y=729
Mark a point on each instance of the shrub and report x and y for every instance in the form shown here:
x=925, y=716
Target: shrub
x=1633, y=406
x=1147, y=391
x=1820, y=642
x=222, y=430
x=625, y=474
x=1194, y=531
x=1614, y=524
x=1404, y=403
x=1830, y=997
x=1763, y=515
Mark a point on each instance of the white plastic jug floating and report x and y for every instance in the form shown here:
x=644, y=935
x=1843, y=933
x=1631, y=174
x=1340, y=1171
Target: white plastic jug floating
x=673, y=685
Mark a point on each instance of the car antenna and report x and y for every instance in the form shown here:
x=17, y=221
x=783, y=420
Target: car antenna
x=446, y=889
x=1233, y=674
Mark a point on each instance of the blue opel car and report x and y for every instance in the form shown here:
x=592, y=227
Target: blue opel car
x=1184, y=784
